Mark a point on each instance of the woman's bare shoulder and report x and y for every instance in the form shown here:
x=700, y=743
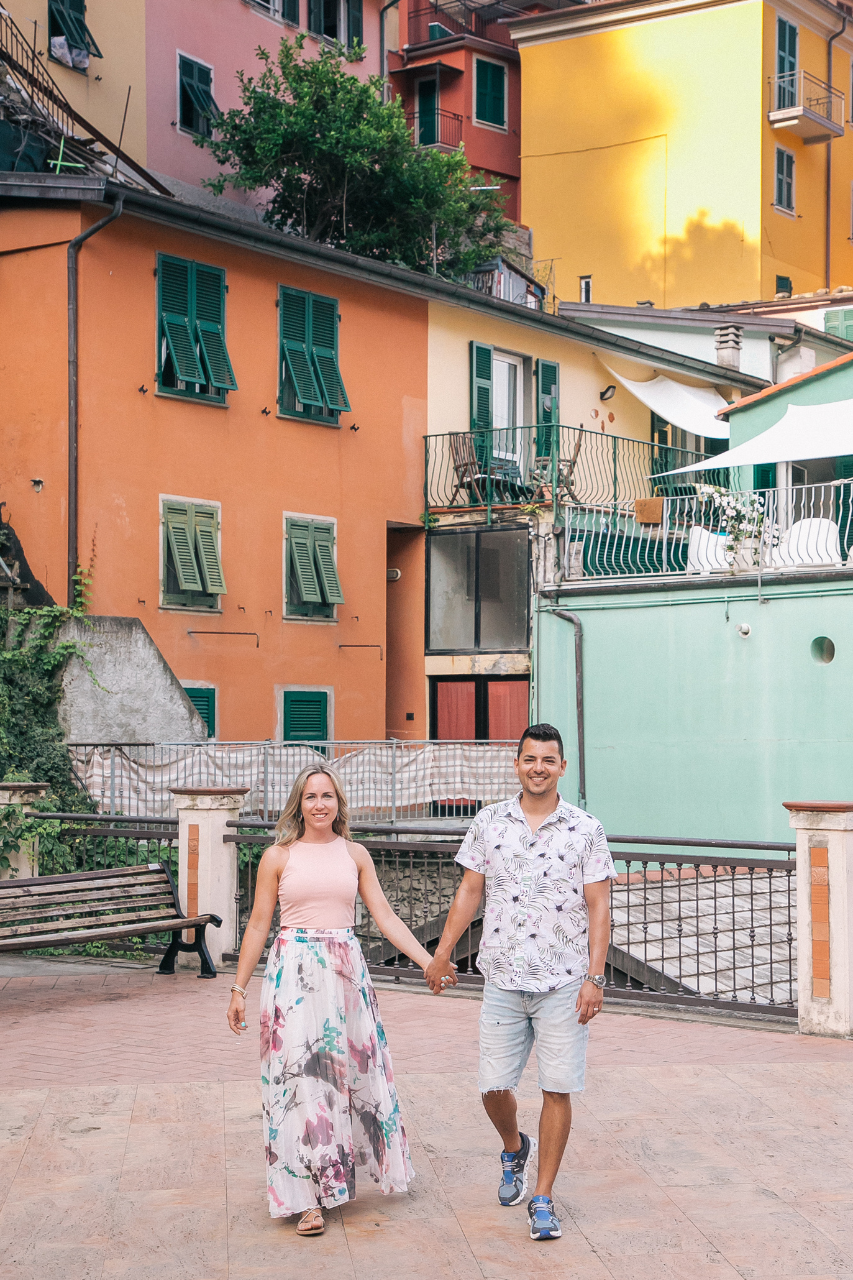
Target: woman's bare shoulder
x=358, y=853
x=275, y=858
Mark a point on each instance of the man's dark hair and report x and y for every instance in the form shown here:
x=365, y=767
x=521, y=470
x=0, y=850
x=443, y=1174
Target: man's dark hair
x=541, y=733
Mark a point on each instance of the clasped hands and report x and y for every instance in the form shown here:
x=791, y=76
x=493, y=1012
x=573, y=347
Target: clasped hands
x=440, y=974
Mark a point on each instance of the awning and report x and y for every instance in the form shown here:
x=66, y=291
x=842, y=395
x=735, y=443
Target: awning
x=690, y=408
x=806, y=431
x=434, y=68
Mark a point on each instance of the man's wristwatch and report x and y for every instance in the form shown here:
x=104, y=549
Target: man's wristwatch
x=598, y=979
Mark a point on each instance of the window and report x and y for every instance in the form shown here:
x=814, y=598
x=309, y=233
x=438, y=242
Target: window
x=305, y=715
x=786, y=65
x=783, y=285
x=193, y=359
x=586, y=288
x=192, y=569
x=784, y=180
x=323, y=18
x=839, y=322
x=71, y=41
x=478, y=590
x=311, y=575
x=355, y=22
x=286, y=9
x=311, y=385
x=204, y=701
x=490, y=93
x=547, y=404
x=427, y=112
x=466, y=708
x=196, y=107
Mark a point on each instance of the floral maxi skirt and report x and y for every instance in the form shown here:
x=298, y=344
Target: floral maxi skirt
x=329, y=1102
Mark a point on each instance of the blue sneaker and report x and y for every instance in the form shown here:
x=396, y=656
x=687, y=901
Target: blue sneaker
x=514, y=1167
x=544, y=1223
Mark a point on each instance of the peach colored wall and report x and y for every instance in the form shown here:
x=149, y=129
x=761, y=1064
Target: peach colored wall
x=223, y=34
x=135, y=447
x=405, y=632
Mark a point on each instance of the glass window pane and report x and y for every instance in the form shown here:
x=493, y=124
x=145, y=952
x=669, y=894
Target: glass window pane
x=451, y=591
x=503, y=589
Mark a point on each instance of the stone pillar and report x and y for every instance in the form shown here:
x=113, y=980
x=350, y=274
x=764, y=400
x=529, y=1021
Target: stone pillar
x=24, y=863
x=824, y=916
x=207, y=866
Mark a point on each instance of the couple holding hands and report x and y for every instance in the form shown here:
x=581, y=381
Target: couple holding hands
x=329, y=1102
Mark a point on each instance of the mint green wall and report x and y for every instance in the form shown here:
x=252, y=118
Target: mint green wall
x=692, y=730
x=746, y=423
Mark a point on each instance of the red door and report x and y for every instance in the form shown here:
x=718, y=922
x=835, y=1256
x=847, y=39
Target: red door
x=508, y=708
x=455, y=710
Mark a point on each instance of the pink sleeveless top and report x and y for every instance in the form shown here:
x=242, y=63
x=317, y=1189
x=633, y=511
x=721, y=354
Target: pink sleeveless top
x=318, y=886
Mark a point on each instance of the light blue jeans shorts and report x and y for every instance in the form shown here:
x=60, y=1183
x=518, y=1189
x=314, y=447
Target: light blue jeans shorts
x=512, y=1021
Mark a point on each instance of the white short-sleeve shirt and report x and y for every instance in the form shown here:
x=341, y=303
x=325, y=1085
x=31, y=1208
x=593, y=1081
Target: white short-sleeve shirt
x=536, y=923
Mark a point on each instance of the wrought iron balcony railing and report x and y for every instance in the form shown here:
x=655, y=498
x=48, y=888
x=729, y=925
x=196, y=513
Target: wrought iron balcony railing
x=438, y=21
x=548, y=465
x=707, y=530
x=435, y=128
x=801, y=103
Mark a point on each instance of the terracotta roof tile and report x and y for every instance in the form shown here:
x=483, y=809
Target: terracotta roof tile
x=790, y=382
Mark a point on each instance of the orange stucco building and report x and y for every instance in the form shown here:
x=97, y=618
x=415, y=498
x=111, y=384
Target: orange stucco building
x=263, y=475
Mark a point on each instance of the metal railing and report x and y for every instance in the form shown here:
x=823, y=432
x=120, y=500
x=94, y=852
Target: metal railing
x=708, y=930
x=709, y=530
x=547, y=464
x=385, y=781
x=435, y=128
x=801, y=90
x=438, y=21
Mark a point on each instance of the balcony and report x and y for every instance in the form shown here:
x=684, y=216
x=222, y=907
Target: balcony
x=806, y=106
x=440, y=21
x=706, y=531
x=487, y=471
x=436, y=128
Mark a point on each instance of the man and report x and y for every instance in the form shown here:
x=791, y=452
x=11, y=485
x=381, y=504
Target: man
x=545, y=867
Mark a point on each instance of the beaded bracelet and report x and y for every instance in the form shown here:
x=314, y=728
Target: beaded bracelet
x=239, y=991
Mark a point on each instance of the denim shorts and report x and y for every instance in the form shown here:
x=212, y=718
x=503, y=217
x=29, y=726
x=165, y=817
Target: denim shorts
x=510, y=1023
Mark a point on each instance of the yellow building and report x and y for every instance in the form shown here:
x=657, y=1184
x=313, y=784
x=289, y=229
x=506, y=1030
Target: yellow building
x=688, y=151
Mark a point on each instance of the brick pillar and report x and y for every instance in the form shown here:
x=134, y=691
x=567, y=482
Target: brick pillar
x=24, y=863
x=207, y=865
x=824, y=916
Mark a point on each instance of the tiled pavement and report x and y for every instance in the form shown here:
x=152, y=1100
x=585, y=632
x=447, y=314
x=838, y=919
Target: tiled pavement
x=130, y=1147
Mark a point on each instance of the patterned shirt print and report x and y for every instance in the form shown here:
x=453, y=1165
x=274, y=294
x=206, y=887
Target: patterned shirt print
x=536, y=923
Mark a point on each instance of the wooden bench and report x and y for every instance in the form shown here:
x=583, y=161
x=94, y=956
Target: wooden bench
x=93, y=906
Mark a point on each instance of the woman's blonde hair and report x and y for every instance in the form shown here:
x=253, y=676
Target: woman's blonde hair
x=291, y=825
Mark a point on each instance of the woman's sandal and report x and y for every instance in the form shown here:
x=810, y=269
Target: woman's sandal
x=311, y=1223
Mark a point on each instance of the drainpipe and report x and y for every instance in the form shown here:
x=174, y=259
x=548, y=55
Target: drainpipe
x=828, y=227
x=578, y=626
x=73, y=250
x=382, y=70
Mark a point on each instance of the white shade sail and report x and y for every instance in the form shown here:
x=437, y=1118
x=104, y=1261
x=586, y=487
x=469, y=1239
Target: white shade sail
x=806, y=431
x=690, y=408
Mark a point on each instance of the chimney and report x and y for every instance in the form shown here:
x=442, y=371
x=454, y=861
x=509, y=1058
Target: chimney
x=728, y=340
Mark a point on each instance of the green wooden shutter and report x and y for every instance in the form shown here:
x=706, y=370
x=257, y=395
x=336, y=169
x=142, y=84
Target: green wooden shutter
x=839, y=322
x=324, y=351
x=481, y=386
x=844, y=503
x=210, y=327
x=294, y=321
x=764, y=475
x=196, y=79
x=204, y=701
x=175, y=283
x=355, y=22
x=302, y=561
x=207, y=550
x=179, y=529
x=490, y=93
x=547, y=404
x=305, y=715
x=69, y=17
x=315, y=16
x=324, y=558
x=290, y=11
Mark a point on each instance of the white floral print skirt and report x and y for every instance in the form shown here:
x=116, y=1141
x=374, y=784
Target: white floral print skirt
x=329, y=1102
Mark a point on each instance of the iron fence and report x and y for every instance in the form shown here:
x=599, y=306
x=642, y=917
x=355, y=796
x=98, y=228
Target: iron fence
x=705, y=529
x=526, y=466
x=438, y=21
x=435, y=128
x=800, y=90
x=389, y=781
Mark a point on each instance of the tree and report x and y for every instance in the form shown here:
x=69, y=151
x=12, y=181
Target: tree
x=339, y=166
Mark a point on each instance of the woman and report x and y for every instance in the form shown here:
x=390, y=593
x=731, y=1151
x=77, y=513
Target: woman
x=329, y=1100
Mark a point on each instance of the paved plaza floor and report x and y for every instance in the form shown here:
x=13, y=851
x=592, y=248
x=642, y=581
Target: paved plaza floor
x=130, y=1147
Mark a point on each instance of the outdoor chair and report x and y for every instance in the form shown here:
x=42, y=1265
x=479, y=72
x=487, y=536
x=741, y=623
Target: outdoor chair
x=706, y=551
x=814, y=541
x=542, y=473
x=468, y=471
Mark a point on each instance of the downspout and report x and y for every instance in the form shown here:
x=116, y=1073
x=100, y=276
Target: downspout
x=578, y=626
x=73, y=250
x=382, y=71
x=828, y=228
